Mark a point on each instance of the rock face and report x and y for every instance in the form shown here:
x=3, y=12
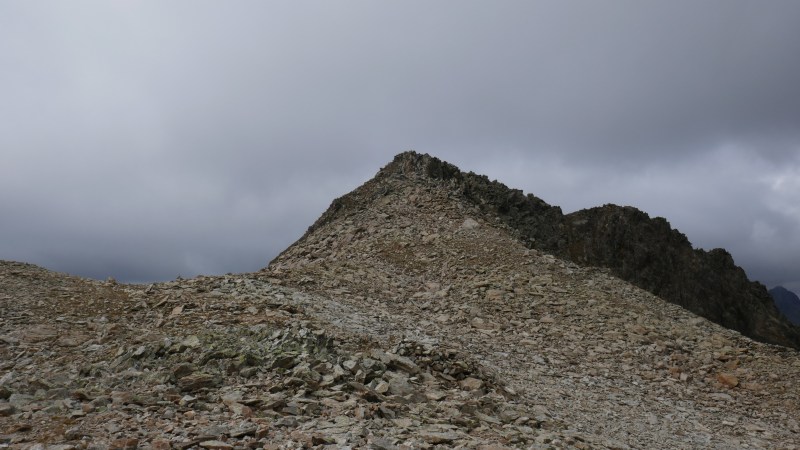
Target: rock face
x=646, y=252
x=406, y=317
x=787, y=302
x=650, y=254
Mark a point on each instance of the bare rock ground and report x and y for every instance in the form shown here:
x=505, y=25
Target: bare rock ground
x=410, y=321
x=607, y=361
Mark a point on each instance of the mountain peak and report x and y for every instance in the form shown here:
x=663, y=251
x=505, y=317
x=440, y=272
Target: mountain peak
x=411, y=163
x=645, y=251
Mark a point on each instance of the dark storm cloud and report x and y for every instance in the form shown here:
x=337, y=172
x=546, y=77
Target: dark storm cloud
x=150, y=139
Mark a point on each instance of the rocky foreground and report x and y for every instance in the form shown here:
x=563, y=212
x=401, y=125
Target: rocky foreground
x=407, y=319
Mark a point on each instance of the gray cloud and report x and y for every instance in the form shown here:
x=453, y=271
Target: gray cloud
x=146, y=140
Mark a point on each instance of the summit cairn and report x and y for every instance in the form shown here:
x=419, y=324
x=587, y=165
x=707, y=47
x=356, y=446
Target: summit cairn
x=411, y=314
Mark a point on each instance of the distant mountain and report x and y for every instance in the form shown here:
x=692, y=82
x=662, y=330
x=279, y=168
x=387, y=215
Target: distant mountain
x=787, y=302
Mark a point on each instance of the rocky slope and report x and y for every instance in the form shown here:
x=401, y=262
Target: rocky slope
x=787, y=303
x=405, y=318
x=612, y=363
x=646, y=252
x=231, y=362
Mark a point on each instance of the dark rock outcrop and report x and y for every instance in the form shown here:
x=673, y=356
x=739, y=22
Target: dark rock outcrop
x=644, y=251
x=787, y=302
x=650, y=254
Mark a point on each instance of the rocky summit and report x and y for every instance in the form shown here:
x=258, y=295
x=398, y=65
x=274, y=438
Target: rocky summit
x=426, y=309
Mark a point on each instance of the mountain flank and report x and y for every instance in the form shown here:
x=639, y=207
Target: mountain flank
x=642, y=250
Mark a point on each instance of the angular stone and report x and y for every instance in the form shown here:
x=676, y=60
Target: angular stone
x=470, y=384
x=247, y=429
x=399, y=385
x=380, y=443
x=728, y=379
x=182, y=370
x=487, y=418
x=382, y=387
x=435, y=395
x=469, y=224
x=435, y=437
x=124, y=444
x=216, y=445
x=720, y=396
x=240, y=409
x=402, y=363
x=6, y=409
x=191, y=341
x=494, y=295
x=160, y=444
x=196, y=381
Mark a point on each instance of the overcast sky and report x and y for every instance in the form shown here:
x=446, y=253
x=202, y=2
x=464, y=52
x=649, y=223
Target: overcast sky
x=147, y=140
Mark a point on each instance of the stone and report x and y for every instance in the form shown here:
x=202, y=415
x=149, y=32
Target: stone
x=239, y=409
x=191, y=342
x=430, y=238
x=18, y=399
x=182, y=370
x=216, y=445
x=399, y=385
x=494, y=295
x=124, y=444
x=245, y=429
x=399, y=362
x=6, y=409
x=160, y=444
x=382, y=387
x=727, y=379
x=74, y=433
x=380, y=443
x=469, y=224
x=721, y=396
x=754, y=427
x=508, y=415
x=482, y=324
x=471, y=384
x=434, y=437
x=176, y=311
x=435, y=395
x=487, y=418
x=197, y=381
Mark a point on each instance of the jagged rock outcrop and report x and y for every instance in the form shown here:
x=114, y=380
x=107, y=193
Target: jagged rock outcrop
x=650, y=254
x=787, y=302
x=642, y=250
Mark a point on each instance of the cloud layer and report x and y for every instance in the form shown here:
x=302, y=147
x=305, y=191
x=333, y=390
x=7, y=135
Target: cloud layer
x=148, y=140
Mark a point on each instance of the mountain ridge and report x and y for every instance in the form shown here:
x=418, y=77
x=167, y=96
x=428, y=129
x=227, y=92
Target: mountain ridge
x=787, y=302
x=410, y=251
x=646, y=252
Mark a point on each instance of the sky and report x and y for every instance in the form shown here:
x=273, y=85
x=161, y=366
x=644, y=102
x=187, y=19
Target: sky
x=149, y=140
